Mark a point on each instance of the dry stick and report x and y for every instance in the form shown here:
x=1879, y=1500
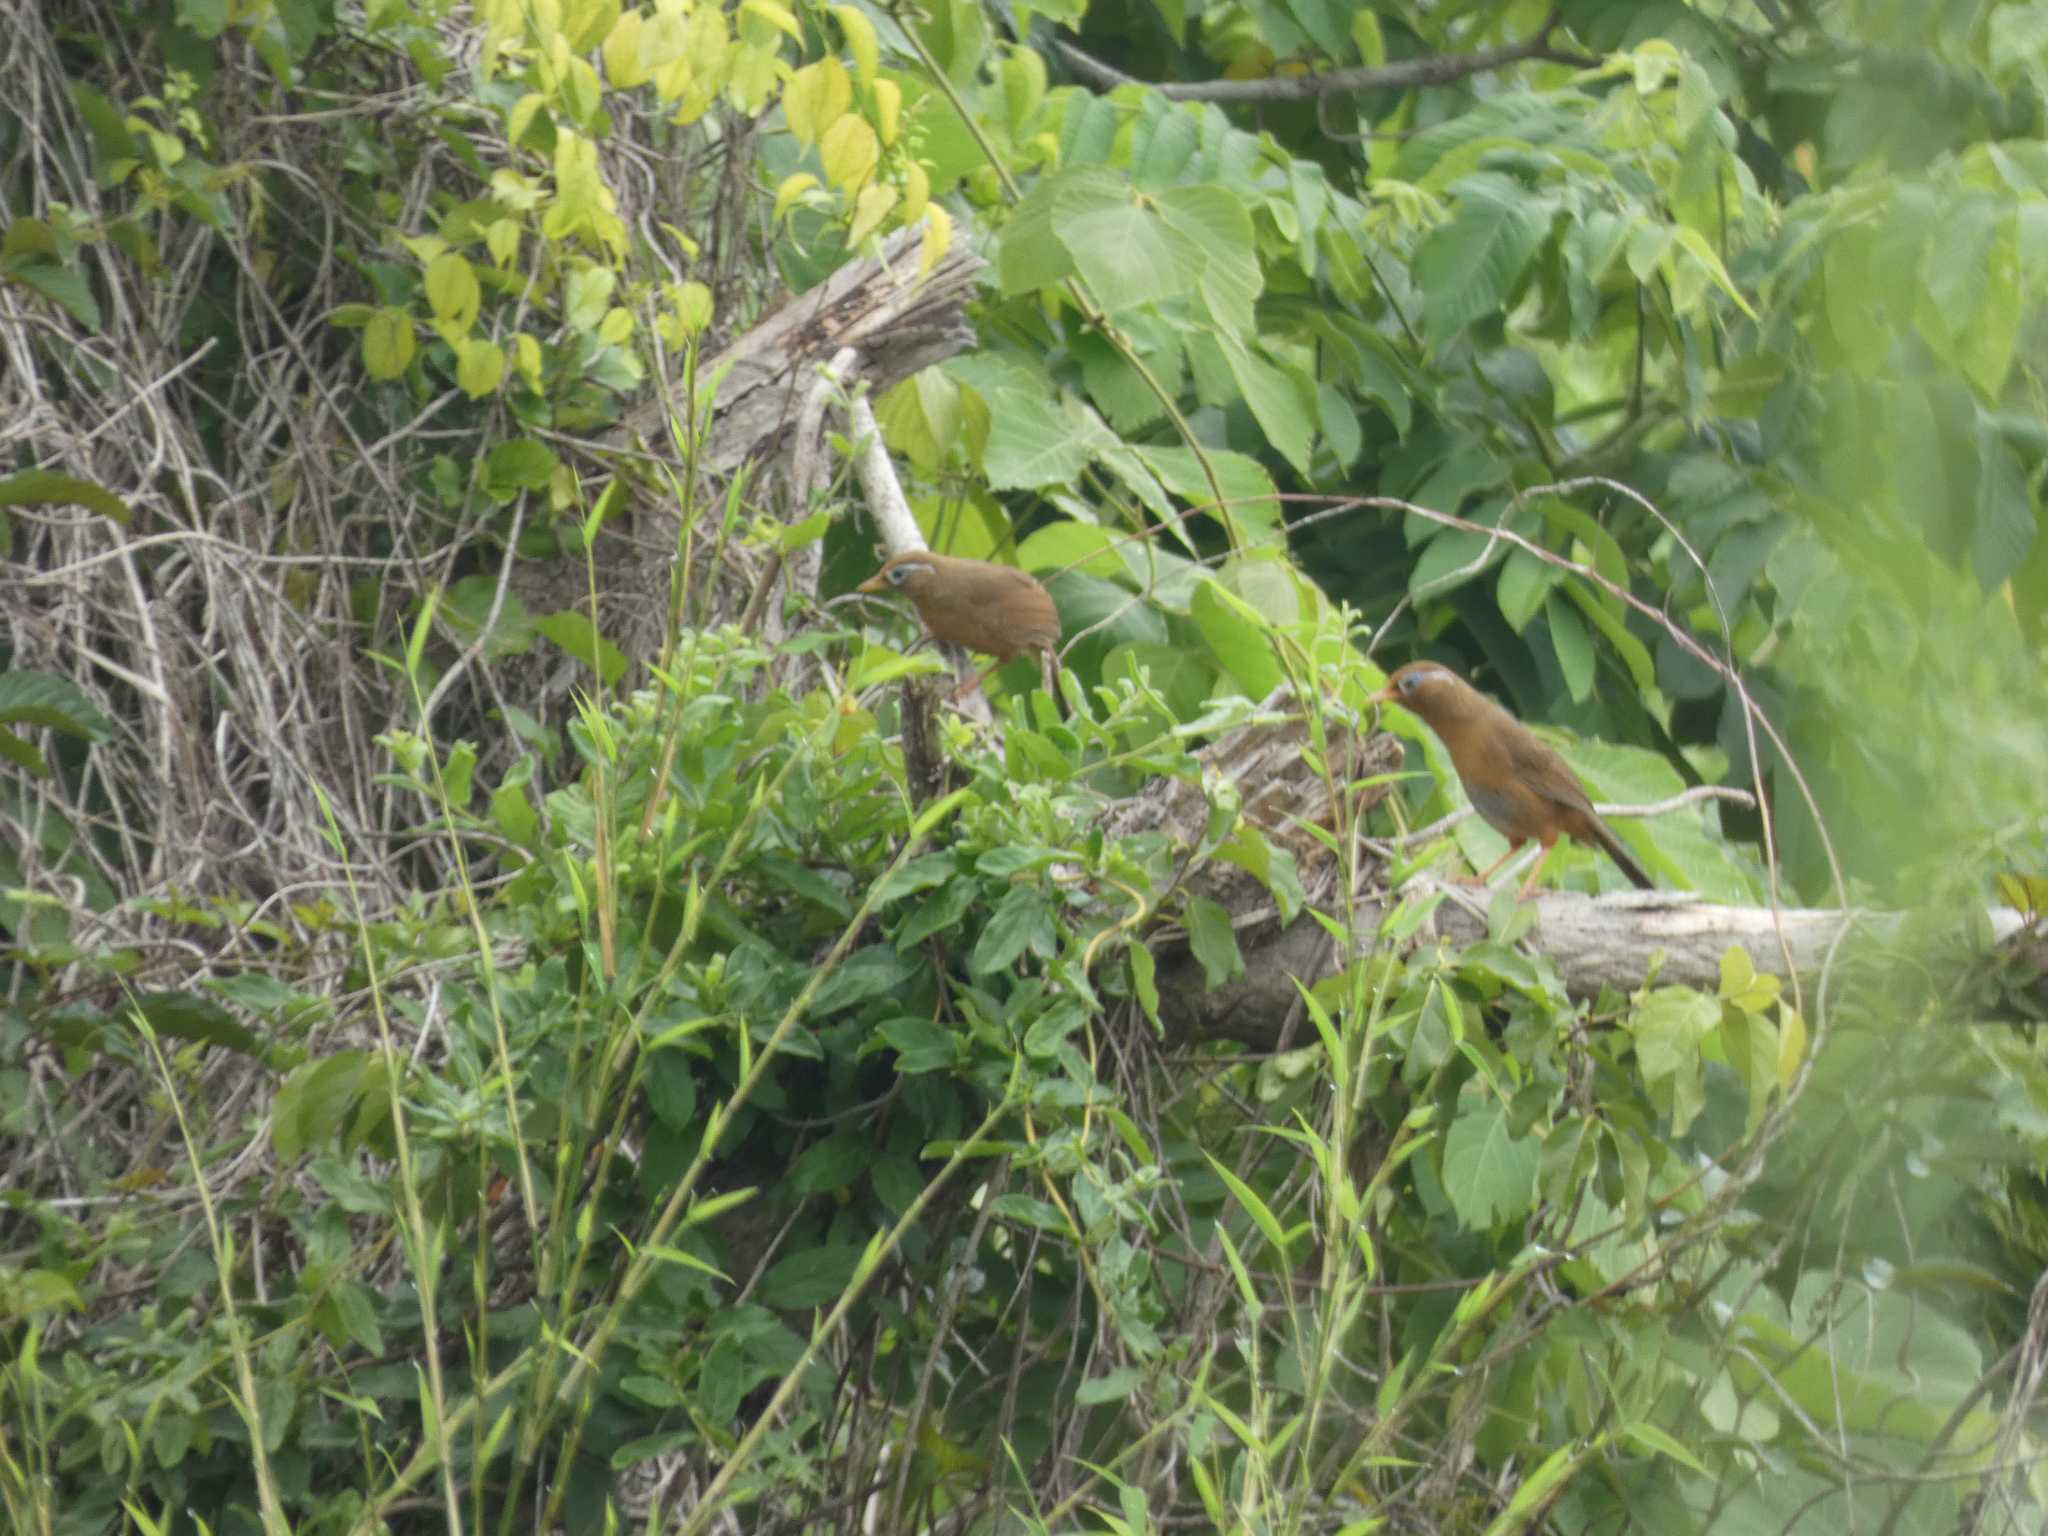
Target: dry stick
x=1444, y=69
x=806, y=478
x=1654, y=808
x=475, y=648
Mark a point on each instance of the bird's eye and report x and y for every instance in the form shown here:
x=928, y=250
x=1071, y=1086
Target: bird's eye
x=1411, y=682
x=898, y=574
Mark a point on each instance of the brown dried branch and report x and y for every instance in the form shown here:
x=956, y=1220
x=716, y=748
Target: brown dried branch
x=1410, y=74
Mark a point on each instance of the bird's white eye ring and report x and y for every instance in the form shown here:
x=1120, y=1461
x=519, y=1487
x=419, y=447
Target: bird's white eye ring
x=1411, y=682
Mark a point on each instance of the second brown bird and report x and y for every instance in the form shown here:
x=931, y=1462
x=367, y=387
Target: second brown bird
x=995, y=609
x=1515, y=780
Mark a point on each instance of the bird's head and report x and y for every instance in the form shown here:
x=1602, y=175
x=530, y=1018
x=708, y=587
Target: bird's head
x=1426, y=688
x=909, y=573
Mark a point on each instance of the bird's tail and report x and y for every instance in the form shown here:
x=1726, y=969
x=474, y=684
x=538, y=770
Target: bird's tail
x=1617, y=850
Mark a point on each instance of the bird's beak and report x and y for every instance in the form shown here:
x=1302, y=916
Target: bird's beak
x=1384, y=696
x=874, y=583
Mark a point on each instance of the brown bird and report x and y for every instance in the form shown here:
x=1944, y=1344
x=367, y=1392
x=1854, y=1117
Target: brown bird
x=1515, y=780
x=995, y=609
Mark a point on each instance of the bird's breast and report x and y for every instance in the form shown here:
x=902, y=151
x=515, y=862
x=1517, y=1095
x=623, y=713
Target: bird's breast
x=1511, y=809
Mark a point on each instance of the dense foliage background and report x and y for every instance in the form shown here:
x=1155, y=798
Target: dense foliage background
x=491, y=1042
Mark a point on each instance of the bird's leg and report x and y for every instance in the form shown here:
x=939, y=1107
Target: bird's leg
x=1515, y=846
x=967, y=689
x=1536, y=869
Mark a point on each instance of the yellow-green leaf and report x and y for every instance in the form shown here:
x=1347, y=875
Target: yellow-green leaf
x=479, y=367
x=521, y=117
x=1366, y=36
x=624, y=63
x=1791, y=1045
x=388, y=343
x=1737, y=971
x=938, y=238
x=664, y=38
x=518, y=193
x=776, y=16
x=1023, y=76
x=587, y=295
x=1695, y=245
x=585, y=21
x=693, y=307
x=917, y=192
x=453, y=292
x=817, y=96
x=752, y=80
x=581, y=93
x=792, y=188
x=860, y=42
x=849, y=151
x=868, y=212
x=501, y=239
x=888, y=109
x=526, y=355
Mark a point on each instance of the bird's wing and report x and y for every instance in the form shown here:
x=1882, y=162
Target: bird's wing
x=1538, y=765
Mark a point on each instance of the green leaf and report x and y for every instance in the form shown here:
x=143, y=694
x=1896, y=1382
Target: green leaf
x=1238, y=636
x=1021, y=921
x=1051, y=1030
x=1034, y=439
x=1670, y=1026
x=58, y=283
x=810, y=1277
x=315, y=1101
x=1283, y=400
x=1471, y=266
x=1857, y=305
x=869, y=972
x=1261, y=1214
x=46, y=699
x=1123, y=250
x=895, y=1181
x=1215, y=219
x=939, y=913
x=918, y=874
x=1248, y=487
x=1454, y=557
x=574, y=633
x=1113, y=1388
x=1145, y=983
x=830, y=1165
x=1524, y=583
x=1032, y=1212
x=1642, y=668
x=1574, y=648
x=669, y=1079
x=2005, y=525
x=1213, y=941
x=1985, y=348
x=453, y=292
x=388, y=343
x=188, y=1016
x=1030, y=254
x=920, y=1045
x=1489, y=1173
x=519, y=465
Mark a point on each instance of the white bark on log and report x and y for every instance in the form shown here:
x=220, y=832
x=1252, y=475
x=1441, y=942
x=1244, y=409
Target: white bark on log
x=1592, y=942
